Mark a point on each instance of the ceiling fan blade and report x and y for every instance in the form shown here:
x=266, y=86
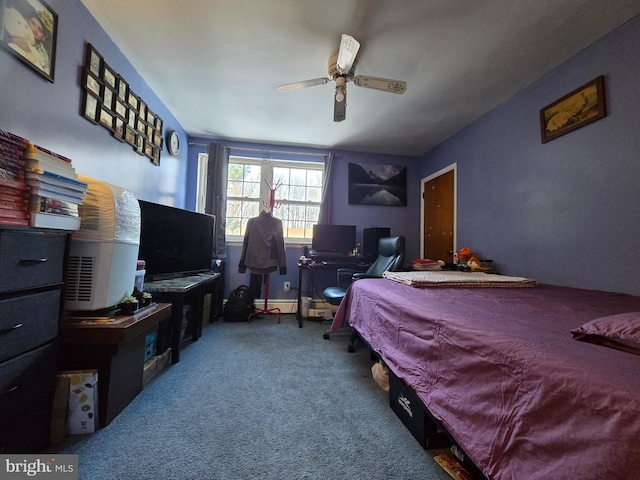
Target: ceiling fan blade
x=303, y=84
x=382, y=84
x=340, y=108
x=349, y=47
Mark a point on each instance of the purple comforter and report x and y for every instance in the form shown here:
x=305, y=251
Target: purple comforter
x=501, y=371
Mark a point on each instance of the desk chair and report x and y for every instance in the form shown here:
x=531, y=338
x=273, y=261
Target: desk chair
x=391, y=256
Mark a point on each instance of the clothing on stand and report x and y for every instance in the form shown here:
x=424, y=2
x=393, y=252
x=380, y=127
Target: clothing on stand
x=255, y=284
x=263, y=248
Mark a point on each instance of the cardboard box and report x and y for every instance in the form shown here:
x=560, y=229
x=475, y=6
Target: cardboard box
x=153, y=367
x=324, y=313
x=150, y=370
x=206, y=310
x=82, y=406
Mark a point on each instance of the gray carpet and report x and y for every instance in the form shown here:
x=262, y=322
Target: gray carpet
x=262, y=401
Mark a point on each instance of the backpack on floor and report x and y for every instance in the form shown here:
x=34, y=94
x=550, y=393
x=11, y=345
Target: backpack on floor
x=239, y=305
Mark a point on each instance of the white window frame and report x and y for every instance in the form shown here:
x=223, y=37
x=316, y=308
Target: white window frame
x=267, y=166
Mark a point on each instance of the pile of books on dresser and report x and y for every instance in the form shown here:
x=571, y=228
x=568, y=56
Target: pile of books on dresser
x=38, y=187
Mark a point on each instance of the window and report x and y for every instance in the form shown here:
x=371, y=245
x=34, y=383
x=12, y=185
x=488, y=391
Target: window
x=297, y=196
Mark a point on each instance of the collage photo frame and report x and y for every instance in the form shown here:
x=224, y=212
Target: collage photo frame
x=109, y=101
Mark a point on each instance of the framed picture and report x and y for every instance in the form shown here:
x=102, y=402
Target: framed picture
x=130, y=136
x=148, y=149
x=118, y=128
x=92, y=83
x=106, y=118
x=109, y=76
x=132, y=117
x=133, y=100
x=107, y=97
x=91, y=107
x=108, y=101
x=94, y=61
x=29, y=30
x=140, y=144
x=377, y=184
x=123, y=88
x=576, y=109
x=141, y=127
x=120, y=108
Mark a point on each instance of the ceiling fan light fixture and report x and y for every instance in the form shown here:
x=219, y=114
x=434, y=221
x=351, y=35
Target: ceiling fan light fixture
x=341, y=69
x=341, y=89
x=349, y=47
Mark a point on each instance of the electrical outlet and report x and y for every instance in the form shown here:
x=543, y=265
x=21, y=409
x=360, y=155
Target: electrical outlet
x=287, y=286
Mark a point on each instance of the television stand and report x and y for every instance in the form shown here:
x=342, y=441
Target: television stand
x=180, y=291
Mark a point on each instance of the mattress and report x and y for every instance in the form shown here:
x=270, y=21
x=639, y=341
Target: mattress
x=500, y=369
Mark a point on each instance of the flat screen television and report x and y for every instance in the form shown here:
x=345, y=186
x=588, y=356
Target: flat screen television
x=336, y=239
x=174, y=241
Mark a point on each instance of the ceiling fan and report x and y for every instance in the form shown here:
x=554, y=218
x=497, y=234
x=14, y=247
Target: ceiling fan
x=342, y=71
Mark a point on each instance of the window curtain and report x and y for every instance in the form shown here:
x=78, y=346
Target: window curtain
x=216, y=200
x=327, y=190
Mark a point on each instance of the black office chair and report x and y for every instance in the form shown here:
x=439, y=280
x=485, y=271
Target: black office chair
x=391, y=255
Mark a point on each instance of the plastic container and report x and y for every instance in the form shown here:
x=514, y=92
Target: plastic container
x=139, y=282
x=305, y=305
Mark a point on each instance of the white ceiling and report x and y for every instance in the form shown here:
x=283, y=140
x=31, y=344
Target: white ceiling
x=216, y=64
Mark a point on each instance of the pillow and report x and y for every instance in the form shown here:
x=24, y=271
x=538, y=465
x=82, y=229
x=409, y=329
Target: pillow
x=621, y=331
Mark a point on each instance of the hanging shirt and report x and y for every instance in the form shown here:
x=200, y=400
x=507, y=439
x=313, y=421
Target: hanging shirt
x=263, y=247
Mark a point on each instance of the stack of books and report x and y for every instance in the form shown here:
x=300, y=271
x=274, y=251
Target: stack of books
x=453, y=467
x=55, y=191
x=13, y=189
x=426, y=264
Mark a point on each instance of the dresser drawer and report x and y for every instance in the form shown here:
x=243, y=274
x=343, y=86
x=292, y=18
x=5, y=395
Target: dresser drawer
x=27, y=383
x=28, y=321
x=30, y=259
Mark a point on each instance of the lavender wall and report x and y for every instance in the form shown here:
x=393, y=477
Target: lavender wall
x=401, y=220
x=564, y=212
x=49, y=113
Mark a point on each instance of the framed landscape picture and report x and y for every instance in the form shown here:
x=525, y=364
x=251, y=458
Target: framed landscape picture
x=29, y=30
x=576, y=109
x=377, y=184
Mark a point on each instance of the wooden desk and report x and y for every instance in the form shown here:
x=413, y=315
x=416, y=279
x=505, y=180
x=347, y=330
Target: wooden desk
x=180, y=291
x=115, y=346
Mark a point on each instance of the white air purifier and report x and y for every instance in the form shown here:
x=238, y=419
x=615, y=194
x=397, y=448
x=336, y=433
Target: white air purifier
x=103, y=253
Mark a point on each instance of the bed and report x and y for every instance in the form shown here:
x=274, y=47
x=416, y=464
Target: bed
x=501, y=370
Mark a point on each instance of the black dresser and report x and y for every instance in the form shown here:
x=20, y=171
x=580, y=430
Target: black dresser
x=31, y=283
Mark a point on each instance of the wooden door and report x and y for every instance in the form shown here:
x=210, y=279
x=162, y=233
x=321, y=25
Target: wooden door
x=439, y=216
